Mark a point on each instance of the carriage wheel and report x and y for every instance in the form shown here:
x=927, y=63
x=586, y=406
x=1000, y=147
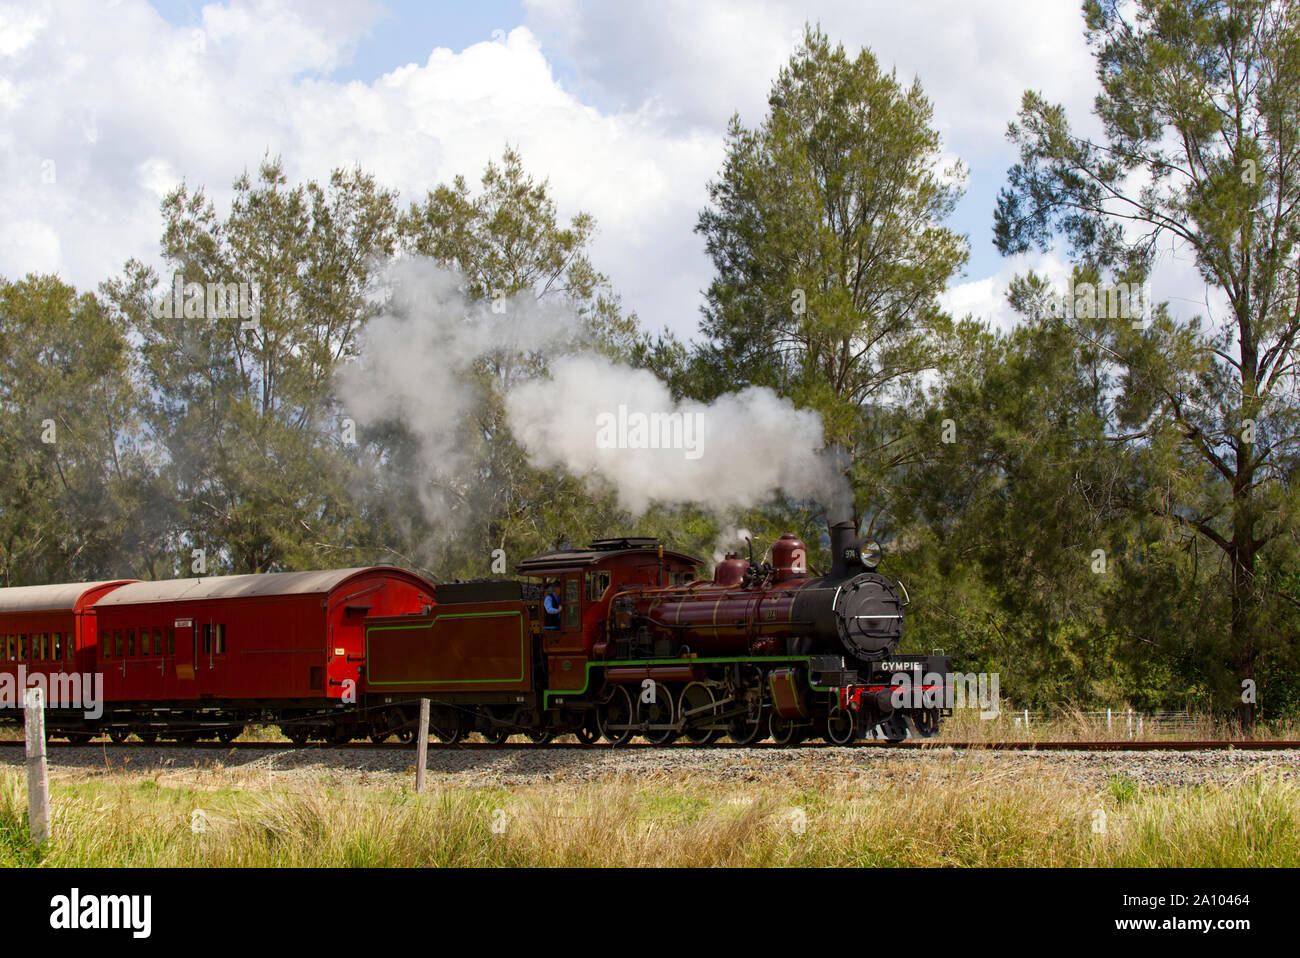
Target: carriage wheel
x=616, y=712
x=118, y=735
x=449, y=730
x=147, y=737
x=297, y=734
x=498, y=734
x=227, y=735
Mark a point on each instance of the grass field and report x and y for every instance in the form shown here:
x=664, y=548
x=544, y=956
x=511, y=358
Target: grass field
x=212, y=818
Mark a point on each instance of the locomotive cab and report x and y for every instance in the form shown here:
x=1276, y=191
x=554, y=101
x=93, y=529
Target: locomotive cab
x=589, y=579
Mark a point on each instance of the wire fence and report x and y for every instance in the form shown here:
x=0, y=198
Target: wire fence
x=1121, y=722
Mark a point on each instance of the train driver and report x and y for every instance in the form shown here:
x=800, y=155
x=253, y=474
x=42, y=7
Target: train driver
x=551, y=607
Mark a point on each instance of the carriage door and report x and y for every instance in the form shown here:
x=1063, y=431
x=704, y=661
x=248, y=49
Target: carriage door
x=185, y=652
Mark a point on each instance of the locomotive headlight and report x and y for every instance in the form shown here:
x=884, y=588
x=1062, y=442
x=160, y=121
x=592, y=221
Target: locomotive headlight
x=872, y=553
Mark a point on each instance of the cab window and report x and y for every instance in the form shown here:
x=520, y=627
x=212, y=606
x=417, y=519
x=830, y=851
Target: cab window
x=572, y=611
x=597, y=584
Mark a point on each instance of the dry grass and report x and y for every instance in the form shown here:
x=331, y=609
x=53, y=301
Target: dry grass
x=968, y=816
x=1075, y=725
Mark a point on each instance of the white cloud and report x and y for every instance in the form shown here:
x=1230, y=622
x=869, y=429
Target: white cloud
x=125, y=105
x=103, y=108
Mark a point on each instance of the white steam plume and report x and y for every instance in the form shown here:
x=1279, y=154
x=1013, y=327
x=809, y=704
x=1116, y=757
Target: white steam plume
x=597, y=418
x=417, y=363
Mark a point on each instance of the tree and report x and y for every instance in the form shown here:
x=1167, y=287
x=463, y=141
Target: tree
x=507, y=241
x=72, y=479
x=1023, y=552
x=829, y=257
x=240, y=367
x=1199, y=107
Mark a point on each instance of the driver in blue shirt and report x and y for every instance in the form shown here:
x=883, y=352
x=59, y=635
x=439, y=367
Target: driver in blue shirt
x=551, y=607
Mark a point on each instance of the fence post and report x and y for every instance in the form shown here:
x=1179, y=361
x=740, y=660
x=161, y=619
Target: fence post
x=38, y=778
x=422, y=748
x=1026, y=718
x=1130, y=723
x=1108, y=720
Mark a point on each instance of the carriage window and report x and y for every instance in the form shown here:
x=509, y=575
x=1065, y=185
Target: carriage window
x=68, y=645
x=171, y=641
x=105, y=645
x=221, y=639
x=44, y=647
x=157, y=641
x=130, y=641
x=597, y=583
x=22, y=646
x=117, y=644
x=58, y=646
x=9, y=647
x=207, y=638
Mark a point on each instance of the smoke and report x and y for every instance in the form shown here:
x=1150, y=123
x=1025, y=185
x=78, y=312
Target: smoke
x=425, y=363
x=432, y=359
x=609, y=421
x=731, y=539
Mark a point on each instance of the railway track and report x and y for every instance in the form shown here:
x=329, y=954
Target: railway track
x=1115, y=746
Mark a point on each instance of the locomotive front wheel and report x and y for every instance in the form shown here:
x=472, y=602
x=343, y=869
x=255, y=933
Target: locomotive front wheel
x=745, y=731
x=926, y=722
x=784, y=731
x=615, y=717
x=839, y=726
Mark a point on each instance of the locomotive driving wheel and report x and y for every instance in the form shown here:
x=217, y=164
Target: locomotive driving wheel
x=539, y=736
x=658, y=712
x=696, y=704
x=749, y=728
x=615, y=717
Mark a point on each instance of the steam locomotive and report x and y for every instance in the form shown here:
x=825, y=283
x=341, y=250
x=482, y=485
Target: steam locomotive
x=640, y=647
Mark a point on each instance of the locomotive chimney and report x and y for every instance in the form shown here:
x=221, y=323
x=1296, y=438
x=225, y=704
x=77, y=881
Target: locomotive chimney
x=846, y=558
